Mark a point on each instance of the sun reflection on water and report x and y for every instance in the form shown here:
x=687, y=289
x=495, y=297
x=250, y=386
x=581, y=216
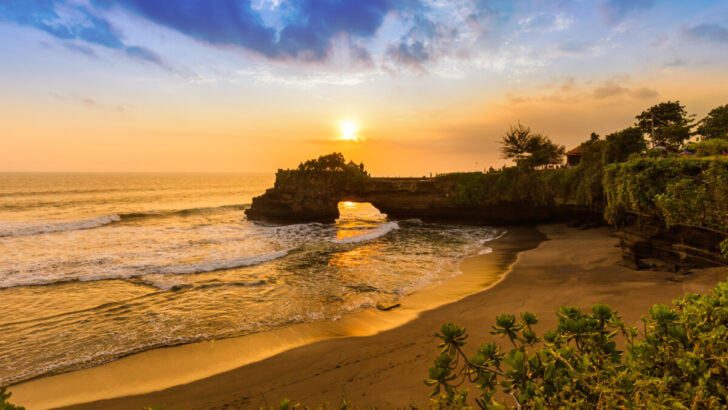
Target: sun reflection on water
x=357, y=218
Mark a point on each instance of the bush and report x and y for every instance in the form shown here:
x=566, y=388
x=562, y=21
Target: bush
x=4, y=404
x=511, y=185
x=680, y=361
x=579, y=185
x=688, y=191
x=327, y=171
x=709, y=147
x=715, y=124
x=620, y=145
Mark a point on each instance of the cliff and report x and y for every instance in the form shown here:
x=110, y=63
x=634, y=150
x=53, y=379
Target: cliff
x=315, y=197
x=642, y=199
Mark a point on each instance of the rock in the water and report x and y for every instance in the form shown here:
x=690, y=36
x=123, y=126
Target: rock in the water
x=385, y=306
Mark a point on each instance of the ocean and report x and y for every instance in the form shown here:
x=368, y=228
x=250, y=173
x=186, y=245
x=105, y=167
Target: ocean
x=94, y=267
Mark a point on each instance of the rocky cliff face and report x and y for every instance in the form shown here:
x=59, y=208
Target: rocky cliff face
x=647, y=242
x=316, y=199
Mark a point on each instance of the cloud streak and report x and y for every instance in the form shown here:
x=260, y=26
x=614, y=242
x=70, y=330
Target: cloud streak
x=614, y=11
x=70, y=23
x=710, y=32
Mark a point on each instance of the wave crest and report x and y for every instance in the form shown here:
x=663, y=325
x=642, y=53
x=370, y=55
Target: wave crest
x=10, y=229
x=13, y=229
x=375, y=233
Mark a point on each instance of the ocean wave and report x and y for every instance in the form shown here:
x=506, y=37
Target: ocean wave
x=11, y=229
x=147, y=275
x=181, y=212
x=497, y=234
x=233, y=263
x=375, y=233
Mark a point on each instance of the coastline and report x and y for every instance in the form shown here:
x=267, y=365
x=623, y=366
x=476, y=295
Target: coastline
x=164, y=368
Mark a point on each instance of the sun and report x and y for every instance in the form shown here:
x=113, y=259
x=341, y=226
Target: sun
x=348, y=130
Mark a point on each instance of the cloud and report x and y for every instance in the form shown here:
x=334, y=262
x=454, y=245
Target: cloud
x=644, y=93
x=615, y=87
x=308, y=29
x=62, y=21
x=609, y=88
x=545, y=23
x=677, y=62
x=418, y=45
x=148, y=56
x=72, y=23
x=89, y=102
x=614, y=11
x=711, y=32
x=570, y=91
x=87, y=51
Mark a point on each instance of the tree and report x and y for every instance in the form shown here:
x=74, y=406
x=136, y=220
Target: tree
x=715, y=124
x=667, y=124
x=529, y=149
x=332, y=163
x=621, y=144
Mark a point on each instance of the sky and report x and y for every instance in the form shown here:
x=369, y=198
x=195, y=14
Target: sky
x=409, y=87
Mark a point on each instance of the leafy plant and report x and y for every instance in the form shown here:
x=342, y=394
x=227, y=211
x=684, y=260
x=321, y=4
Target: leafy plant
x=689, y=191
x=681, y=361
x=530, y=149
x=715, y=124
x=621, y=144
x=710, y=147
x=667, y=124
x=4, y=403
x=327, y=171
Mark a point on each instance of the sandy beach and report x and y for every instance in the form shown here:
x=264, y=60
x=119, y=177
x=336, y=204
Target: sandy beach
x=377, y=358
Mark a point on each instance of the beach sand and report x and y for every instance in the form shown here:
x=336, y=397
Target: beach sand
x=378, y=358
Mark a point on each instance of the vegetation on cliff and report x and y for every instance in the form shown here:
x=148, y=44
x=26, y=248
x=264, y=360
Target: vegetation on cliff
x=330, y=170
x=686, y=191
x=579, y=185
x=618, y=174
x=678, y=361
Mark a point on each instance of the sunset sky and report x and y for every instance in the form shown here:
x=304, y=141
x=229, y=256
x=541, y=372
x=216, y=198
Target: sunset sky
x=254, y=85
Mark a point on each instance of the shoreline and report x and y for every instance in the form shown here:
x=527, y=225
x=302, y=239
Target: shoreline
x=163, y=368
x=574, y=268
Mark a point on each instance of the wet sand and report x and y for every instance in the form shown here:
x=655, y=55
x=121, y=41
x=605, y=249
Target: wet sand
x=383, y=366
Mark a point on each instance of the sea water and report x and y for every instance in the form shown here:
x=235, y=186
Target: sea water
x=94, y=267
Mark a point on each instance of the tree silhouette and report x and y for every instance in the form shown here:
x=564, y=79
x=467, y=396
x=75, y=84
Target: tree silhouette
x=530, y=149
x=715, y=124
x=667, y=124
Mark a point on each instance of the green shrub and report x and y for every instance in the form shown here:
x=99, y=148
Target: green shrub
x=621, y=144
x=681, y=360
x=4, y=404
x=327, y=172
x=689, y=191
x=715, y=124
x=710, y=147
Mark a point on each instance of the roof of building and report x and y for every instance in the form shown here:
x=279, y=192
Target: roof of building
x=576, y=151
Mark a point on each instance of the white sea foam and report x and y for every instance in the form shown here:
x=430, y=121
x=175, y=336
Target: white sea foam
x=496, y=235
x=485, y=251
x=10, y=229
x=375, y=233
x=212, y=266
